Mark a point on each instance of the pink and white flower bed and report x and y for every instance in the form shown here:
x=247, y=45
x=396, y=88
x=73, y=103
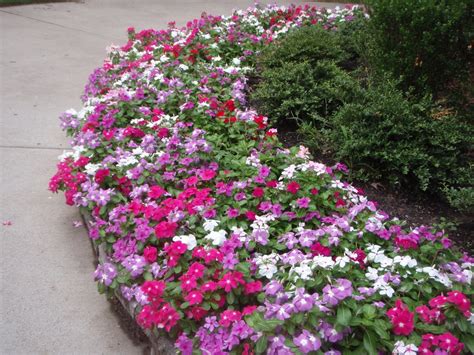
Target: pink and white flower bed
x=227, y=241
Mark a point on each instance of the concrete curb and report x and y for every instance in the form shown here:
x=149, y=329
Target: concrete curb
x=160, y=342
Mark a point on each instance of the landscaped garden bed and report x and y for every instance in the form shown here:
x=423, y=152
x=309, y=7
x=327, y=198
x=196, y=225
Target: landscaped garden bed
x=223, y=240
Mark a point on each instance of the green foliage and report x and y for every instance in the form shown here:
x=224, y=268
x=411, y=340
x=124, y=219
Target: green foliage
x=308, y=92
x=307, y=44
x=384, y=134
x=461, y=198
x=425, y=42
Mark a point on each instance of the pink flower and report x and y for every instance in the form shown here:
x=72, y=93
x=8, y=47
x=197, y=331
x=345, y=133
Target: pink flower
x=303, y=202
x=195, y=297
x=207, y=174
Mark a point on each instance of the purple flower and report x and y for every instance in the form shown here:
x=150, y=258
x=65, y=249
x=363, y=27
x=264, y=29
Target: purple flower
x=329, y=296
x=303, y=301
x=307, y=342
x=105, y=273
x=285, y=311
x=211, y=323
x=260, y=236
x=343, y=289
x=184, y=344
x=273, y=287
x=134, y=264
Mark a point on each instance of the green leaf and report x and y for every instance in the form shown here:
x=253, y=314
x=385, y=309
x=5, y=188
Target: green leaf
x=261, y=345
x=380, y=328
x=344, y=315
x=468, y=342
x=230, y=298
x=148, y=276
x=370, y=342
x=185, y=305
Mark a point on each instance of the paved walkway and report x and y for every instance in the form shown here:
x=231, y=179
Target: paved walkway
x=49, y=303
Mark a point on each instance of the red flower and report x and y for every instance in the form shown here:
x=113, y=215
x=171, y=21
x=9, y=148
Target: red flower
x=293, y=187
x=100, y=175
x=229, y=316
x=163, y=132
x=272, y=183
x=231, y=280
x=314, y=191
x=250, y=215
x=197, y=313
x=156, y=192
x=194, y=297
x=401, y=318
x=319, y=249
x=188, y=283
x=258, y=192
x=150, y=254
x=248, y=310
x=153, y=289
x=253, y=287
x=165, y=229
x=460, y=300
x=209, y=286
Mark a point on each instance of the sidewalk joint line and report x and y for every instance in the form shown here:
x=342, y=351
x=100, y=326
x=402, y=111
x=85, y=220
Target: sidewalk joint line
x=32, y=147
x=58, y=25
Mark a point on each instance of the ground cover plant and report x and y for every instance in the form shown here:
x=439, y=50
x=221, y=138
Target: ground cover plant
x=229, y=242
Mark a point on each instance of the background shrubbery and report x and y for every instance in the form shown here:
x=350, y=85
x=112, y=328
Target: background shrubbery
x=388, y=95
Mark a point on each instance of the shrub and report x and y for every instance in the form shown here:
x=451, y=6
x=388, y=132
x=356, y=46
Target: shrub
x=310, y=92
x=307, y=44
x=384, y=134
x=426, y=43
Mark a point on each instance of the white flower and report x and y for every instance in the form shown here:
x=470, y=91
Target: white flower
x=164, y=58
x=372, y=273
x=325, y=262
x=183, y=67
x=189, y=240
x=216, y=59
x=236, y=61
x=267, y=270
x=217, y=237
x=303, y=271
x=127, y=161
x=206, y=36
x=91, y=168
x=402, y=349
x=405, y=261
x=210, y=224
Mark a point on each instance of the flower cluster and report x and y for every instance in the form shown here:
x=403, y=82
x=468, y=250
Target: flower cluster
x=224, y=239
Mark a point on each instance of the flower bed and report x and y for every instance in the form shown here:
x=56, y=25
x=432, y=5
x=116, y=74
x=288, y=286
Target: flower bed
x=228, y=242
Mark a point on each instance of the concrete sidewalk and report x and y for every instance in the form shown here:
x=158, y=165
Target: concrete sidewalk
x=49, y=302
